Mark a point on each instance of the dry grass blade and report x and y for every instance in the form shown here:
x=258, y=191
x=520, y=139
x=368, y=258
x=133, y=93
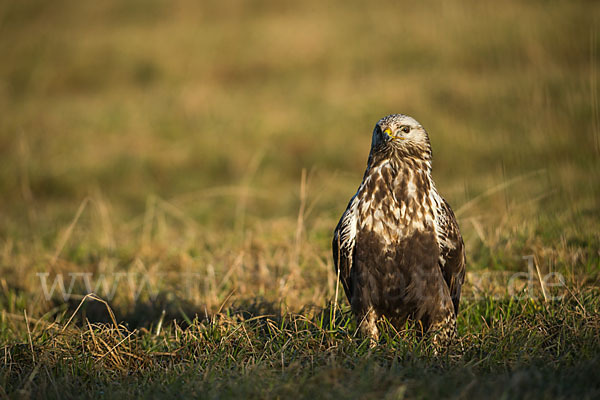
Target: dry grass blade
x=92, y=296
x=300, y=220
x=160, y=322
x=29, y=336
x=69, y=231
x=495, y=189
x=112, y=349
x=541, y=280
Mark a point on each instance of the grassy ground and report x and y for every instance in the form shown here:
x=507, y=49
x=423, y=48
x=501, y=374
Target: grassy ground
x=188, y=162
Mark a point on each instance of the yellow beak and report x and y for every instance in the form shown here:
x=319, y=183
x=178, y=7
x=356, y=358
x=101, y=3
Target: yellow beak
x=389, y=132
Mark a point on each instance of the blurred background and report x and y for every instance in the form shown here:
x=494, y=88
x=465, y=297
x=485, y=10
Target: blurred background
x=222, y=140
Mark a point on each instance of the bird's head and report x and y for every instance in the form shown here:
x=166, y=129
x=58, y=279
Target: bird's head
x=402, y=135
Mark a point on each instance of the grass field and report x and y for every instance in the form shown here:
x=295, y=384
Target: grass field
x=187, y=163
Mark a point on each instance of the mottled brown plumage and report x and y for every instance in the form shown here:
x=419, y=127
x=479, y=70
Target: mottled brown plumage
x=397, y=248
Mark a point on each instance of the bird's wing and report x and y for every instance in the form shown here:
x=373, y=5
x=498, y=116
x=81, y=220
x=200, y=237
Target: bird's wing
x=452, y=252
x=344, y=240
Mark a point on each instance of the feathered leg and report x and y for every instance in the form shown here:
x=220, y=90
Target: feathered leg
x=368, y=325
x=442, y=327
x=443, y=331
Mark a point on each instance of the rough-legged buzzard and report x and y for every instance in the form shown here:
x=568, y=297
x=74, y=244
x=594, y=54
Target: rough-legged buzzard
x=397, y=248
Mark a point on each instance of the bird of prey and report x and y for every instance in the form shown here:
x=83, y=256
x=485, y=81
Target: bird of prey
x=397, y=248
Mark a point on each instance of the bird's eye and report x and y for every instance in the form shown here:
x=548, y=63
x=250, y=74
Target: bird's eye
x=405, y=128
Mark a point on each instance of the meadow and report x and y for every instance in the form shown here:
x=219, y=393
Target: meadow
x=186, y=162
